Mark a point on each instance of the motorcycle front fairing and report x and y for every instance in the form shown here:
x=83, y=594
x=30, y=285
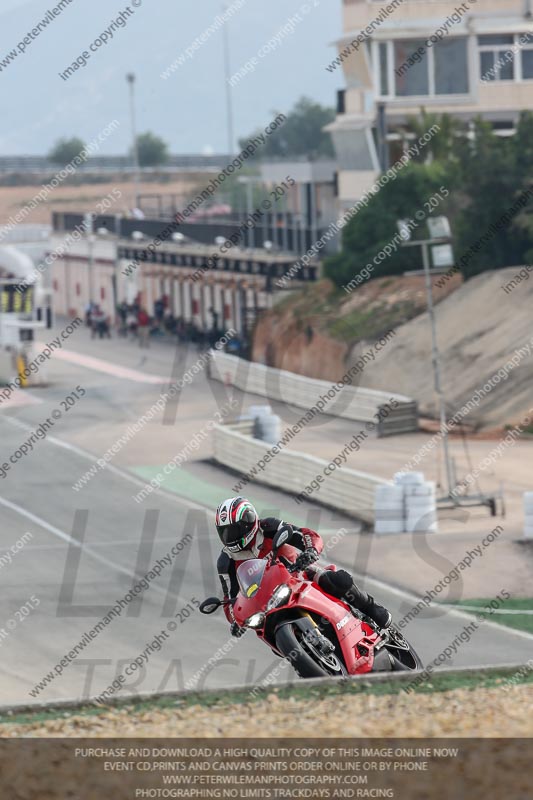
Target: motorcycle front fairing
x=356, y=638
x=258, y=579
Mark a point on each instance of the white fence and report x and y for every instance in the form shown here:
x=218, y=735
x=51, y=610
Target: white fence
x=364, y=405
x=345, y=489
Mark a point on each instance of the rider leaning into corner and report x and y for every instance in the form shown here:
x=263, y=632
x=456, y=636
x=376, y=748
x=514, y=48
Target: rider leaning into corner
x=244, y=536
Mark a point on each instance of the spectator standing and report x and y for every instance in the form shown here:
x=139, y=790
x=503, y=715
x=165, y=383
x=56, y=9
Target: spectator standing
x=143, y=322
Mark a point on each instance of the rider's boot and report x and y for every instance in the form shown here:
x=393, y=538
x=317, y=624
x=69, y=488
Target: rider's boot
x=366, y=603
x=341, y=584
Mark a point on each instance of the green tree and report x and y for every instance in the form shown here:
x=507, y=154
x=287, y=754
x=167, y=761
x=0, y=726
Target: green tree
x=375, y=225
x=153, y=151
x=65, y=150
x=486, y=175
x=492, y=170
x=443, y=143
x=301, y=134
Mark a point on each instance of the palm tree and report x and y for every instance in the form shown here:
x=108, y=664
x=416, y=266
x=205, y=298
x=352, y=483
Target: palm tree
x=443, y=143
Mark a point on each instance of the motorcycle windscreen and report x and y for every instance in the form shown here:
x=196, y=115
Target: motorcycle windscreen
x=249, y=575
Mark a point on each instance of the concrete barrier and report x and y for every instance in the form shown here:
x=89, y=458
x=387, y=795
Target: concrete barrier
x=345, y=489
x=356, y=403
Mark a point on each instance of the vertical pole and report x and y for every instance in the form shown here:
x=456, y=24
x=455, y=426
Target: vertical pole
x=115, y=267
x=249, y=210
x=90, y=244
x=229, y=99
x=436, y=368
x=285, y=224
x=314, y=213
x=382, y=137
x=135, y=151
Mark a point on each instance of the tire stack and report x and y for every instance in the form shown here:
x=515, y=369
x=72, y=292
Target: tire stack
x=420, y=502
x=389, y=509
x=409, y=505
x=528, y=515
x=267, y=426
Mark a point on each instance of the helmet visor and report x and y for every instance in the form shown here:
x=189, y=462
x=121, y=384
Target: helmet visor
x=238, y=535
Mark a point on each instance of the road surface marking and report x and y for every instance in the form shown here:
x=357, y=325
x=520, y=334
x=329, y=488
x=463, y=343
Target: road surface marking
x=184, y=502
x=66, y=537
x=99, y=365
x=19, y=398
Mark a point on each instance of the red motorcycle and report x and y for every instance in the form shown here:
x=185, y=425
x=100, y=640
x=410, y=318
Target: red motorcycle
x=319, y=634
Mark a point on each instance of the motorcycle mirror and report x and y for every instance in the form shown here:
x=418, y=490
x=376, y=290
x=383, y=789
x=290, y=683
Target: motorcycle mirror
x=210, y=605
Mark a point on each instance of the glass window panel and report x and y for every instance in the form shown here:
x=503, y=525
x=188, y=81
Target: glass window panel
x=506, y=65
x=411, y=67
x=495, y=39
x=525, y=38
x=488, y=72
x=527, y=64
x=451, y=67
x=384, y=77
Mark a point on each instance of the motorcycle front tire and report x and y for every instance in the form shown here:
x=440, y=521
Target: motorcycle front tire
x=288, y=644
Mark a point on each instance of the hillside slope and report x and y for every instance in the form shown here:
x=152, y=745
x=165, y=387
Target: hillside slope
x=479, y=329
x=320, y=334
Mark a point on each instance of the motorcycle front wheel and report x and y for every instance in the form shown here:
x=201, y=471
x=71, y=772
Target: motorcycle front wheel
x=402, y=654
x=305, y=659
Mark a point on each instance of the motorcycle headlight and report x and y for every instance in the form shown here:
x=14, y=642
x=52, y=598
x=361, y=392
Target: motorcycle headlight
x=280, y=595
x=255, y=621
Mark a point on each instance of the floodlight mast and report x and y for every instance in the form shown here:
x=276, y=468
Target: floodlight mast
x=435, y=353
x=441, y=226
x=435, y=357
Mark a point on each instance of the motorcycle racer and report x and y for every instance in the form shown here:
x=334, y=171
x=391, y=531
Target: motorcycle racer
x=244, y=536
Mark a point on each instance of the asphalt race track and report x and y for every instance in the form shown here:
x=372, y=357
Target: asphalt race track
x=87, y=547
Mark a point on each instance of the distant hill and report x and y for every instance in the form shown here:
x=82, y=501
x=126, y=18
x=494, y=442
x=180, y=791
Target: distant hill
x=321, y=333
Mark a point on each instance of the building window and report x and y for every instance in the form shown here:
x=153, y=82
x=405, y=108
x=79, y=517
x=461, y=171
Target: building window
x=506, y=57
x=527, y=64
x=409, y=68
x=496, y=57
x=451, y=67
x=383, y=70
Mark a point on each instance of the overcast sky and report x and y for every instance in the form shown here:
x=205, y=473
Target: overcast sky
x=187, y=109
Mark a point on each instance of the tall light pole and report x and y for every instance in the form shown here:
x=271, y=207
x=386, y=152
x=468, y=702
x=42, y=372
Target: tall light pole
x=440, y=233
x=227, y=72
x=130, y=77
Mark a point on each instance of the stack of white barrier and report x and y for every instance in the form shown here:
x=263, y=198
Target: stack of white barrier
x=420, y=502
x=389, y=509
x=528, y=515
x=409, y=505
x=267, y=426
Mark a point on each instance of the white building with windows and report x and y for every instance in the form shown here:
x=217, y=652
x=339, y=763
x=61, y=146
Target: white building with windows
x=466, y=59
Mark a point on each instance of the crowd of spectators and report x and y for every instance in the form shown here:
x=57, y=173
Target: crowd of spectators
x=136, y=323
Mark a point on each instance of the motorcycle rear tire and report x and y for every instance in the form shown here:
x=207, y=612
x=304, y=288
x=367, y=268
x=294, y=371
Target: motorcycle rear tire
x=288, y=644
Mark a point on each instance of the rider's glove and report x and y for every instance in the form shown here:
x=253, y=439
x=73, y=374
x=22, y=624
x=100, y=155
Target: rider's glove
x=306, y=558
x=236, y=630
